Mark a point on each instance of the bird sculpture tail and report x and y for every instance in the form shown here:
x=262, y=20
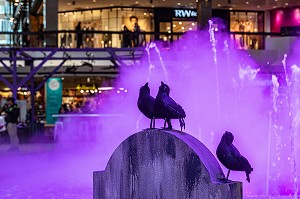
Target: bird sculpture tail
x=248, y=174
x=182, y=123
x=247, y=167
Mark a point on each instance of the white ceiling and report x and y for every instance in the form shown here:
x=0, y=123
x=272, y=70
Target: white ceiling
x=65, y=5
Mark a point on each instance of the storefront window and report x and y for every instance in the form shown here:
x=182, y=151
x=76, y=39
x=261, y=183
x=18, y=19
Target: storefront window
x=247, y=22
x=110, y=19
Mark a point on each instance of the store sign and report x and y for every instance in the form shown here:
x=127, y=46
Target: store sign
x=185, y=13
x=53, y=98
x=86, y=87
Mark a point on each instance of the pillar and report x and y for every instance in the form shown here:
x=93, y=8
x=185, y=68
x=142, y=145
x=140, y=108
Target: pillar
x=204, y=12
x=50, y=21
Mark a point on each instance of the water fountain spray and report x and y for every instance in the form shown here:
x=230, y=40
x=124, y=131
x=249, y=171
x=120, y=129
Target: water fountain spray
x=214, y=50
x=151, y=65
x=292, y=113
x=275, y=94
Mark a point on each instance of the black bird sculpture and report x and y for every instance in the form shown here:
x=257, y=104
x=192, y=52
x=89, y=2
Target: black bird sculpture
x=230, y=157
x=167, y=108
x=146, y=104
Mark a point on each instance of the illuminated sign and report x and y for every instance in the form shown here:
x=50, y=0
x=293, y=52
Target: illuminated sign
x=185, y=13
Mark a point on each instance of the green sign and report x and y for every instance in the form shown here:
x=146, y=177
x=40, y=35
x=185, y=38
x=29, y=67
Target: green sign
x=53, y=98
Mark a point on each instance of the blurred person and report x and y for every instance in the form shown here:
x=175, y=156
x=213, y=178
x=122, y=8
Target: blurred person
x=41, y=36
x=4, y=109
x=11, y=119
x=135, y=31
x=26, y=36
x=78, y=35
x=86, y=108
x=126, y=37
x=63, y=109
x=77, y=108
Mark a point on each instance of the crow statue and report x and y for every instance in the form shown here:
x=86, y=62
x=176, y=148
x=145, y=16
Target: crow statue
x=146, y=104
x=230, y=157
x=167, y=108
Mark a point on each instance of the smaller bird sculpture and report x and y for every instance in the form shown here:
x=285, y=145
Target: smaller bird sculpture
x=230, y=157
x=167, y=108
x=146, y=104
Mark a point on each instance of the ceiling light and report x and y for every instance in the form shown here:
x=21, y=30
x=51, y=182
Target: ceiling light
x=193, y=24
x=105, y=88
x=168, y=28
x=180, y=22
x=136, y=2
x=190, y=28
x=179, y=4
x=219, y=5
x=182, y=28
x=94, y=1
x=69, y=4
x=275, y=0
x=163, y=0
x=247, y=2
x=230, y=8
x=258, y=6
x=274, y=6
x=174, y=25
x=286, y=4
x=145, y=13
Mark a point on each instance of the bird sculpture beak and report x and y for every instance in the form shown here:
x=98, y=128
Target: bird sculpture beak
x=146, y=84
x=162, y=83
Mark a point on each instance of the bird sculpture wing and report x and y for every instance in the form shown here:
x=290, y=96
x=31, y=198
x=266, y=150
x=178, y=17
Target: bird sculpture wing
x=235, y=152
x=174, y=108
x=146, y=105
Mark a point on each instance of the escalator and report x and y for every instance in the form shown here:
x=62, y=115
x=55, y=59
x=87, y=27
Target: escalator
x=36, y=7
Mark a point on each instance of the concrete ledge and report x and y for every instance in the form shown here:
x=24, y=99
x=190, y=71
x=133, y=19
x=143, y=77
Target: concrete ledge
x=164, y=164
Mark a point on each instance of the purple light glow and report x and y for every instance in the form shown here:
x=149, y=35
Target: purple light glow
x=257, y=115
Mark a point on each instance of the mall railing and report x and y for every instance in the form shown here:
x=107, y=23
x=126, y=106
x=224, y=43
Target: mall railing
x=116, y=39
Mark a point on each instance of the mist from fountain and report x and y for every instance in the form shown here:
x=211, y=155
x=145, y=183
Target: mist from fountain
x=239, y=102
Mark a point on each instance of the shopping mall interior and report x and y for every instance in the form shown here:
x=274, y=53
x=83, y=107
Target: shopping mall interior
x=76, y=67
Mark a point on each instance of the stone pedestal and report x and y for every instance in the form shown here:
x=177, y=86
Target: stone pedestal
x=163, y=164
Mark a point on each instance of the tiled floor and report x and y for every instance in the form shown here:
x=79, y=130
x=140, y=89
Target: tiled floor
x=48, y=171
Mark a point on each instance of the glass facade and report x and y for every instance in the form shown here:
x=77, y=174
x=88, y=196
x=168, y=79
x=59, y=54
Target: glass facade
x=108, y=19
x=248, y=22
x=6, y=21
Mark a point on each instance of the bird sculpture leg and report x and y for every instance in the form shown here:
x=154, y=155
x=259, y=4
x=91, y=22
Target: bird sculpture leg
x=227, y=174
x=150, y=123
x=169, y=124
x=153, y=124
x=182, y=124
x=165, y=123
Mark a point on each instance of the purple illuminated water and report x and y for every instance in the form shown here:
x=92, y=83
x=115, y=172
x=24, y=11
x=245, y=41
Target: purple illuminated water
x=220, y=89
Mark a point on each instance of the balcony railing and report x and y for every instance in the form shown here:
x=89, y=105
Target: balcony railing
x=116, y=39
